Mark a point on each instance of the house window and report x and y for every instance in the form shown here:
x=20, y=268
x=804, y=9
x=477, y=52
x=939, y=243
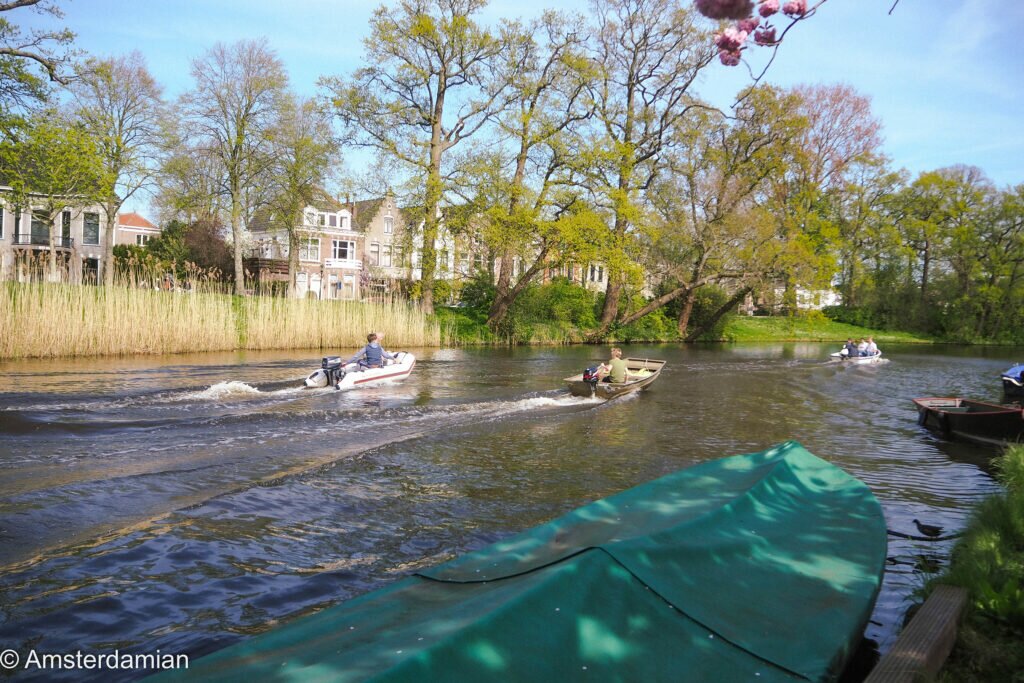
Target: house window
x=309, y=249
x=40, y=228
x=343, y=249
x=600, y=273
x=344, y=223
x=142, y=240
x=399, y=256
x=310, y=219
x=374, y=254
x=442, y=260
x=321, y=219
x=91, y=229
x=389, y=225
x=385, y=256
x=65, y=224
x=478, y=262
x=593, y=273
x=334, y=220
x=2, y=214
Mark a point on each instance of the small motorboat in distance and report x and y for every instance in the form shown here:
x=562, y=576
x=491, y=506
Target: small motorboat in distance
x=1013, y=381
x=640, y=373
x=331, y=372
x=857, y=360
x=972, y=420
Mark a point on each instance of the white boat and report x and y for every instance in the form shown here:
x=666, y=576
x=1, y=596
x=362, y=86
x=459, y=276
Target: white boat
x=332, y=373
x=858, y=360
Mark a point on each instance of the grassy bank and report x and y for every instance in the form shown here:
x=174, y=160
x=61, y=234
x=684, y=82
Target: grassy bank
x=51, y=320
x=806, y=328
x=467, y=327
x=989, y=562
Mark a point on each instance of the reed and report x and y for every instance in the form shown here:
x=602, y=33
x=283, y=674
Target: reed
x=56, y=319
x=277, y=323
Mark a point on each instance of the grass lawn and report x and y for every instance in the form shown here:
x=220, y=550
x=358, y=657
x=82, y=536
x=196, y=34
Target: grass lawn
x=807, y=328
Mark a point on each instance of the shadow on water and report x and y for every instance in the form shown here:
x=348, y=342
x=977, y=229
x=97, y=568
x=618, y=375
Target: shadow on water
x=186, y=505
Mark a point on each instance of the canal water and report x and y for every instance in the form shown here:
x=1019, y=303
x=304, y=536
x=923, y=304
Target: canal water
x=182, y=503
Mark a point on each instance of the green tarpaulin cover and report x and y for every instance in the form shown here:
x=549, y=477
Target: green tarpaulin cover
x=760, y=567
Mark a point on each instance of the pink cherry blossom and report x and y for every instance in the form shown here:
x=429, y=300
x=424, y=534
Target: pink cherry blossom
x=768, y=7
x=730, y=40
x=725, y=9
x=765, y=36
x=795, y=8
x=730, y=57
x=747, y=25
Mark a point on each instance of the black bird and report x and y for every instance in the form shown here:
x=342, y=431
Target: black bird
x=928, y=529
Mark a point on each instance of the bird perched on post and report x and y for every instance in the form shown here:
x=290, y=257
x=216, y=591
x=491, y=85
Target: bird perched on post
x=928, y=529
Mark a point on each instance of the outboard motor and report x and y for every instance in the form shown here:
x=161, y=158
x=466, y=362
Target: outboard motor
x=330, y=373
x=590, y=374
x=332, y=367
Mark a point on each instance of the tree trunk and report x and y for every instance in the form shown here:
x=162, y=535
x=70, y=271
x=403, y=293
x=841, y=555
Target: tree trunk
x=293, y=263
x=501, y=303
x=108, y=243
x=52, y=268
x=236, y=236
x=686, y=312
x=725, y=308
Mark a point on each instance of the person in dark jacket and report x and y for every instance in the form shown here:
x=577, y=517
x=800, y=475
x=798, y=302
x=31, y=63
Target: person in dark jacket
x=373, y=354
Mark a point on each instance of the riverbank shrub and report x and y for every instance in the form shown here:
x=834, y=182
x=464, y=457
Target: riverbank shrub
x=989, y=562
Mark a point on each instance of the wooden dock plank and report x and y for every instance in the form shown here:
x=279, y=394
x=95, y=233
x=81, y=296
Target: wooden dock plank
x=924, y=644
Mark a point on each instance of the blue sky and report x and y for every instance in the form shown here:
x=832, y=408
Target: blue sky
x=946, y=77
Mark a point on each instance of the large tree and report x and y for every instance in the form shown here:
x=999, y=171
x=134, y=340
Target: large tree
x=648, y=54
x=524, y=192
x=229, y=117
x=303, y=150
x=432, y=79
x=840, y=131
x=51, y=165
x=119, y=104
x=30, y=60
x=710, y=229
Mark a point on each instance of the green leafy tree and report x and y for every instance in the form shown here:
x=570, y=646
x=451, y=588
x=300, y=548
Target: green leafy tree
x=119, y=104
x=303, y=150
x=709, y=229
x=30, y=60
x=228, y=119
x=52, y=165
x=648, y=55
x=432, y=78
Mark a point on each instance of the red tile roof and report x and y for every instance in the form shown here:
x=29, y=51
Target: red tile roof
x=134, y=220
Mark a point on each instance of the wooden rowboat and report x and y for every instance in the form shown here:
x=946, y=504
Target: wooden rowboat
x=971, y=420
x=760, y=567
x=640, y=373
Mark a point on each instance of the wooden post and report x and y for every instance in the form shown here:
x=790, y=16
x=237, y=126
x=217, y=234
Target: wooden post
x=927, y=640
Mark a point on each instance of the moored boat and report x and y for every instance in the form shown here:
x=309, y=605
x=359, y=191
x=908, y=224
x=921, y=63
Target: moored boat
x=1013, y=381
x=333, y=373
x=972, y=420
x=759, y=567
x=640, y=373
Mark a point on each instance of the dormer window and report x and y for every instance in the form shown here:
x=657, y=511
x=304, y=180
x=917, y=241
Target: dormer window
x=344, y=223
x=334, y=220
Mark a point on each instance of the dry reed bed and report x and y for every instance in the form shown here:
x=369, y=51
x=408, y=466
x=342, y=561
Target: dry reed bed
x=52, y=320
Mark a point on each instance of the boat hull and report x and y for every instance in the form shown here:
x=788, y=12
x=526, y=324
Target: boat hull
x=858, y=360
x=971, y=420
x=1013, y=381
x=756, y=567
x=356, y=377
x=607, y=390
